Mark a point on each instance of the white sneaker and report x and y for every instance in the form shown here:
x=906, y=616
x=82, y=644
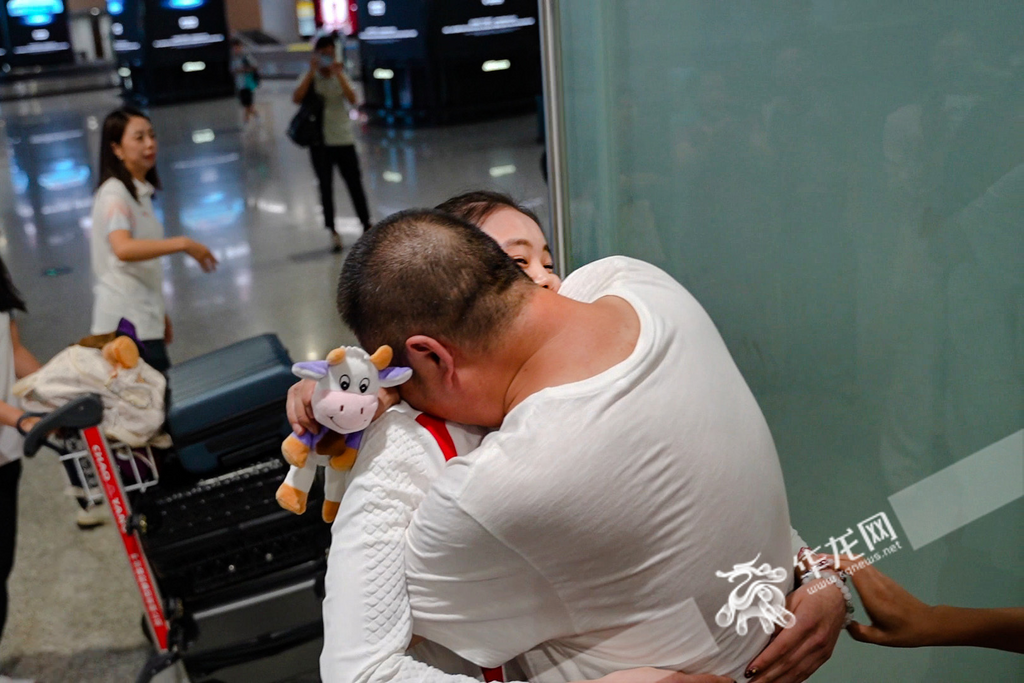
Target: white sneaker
x=8, y=679
x=87, y=519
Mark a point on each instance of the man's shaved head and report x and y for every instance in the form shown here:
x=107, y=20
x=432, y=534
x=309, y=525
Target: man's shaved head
x=427, y=272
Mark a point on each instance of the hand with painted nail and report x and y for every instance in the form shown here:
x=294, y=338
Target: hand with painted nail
x=796, y=653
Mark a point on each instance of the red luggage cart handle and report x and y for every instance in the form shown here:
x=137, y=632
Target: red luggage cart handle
x=113, y=489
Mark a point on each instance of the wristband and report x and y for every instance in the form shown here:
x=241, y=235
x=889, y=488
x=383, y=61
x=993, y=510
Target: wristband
x=837, y=579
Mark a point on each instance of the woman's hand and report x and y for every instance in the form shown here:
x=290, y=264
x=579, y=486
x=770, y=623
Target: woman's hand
x=27, y=423
x=651, y=675
x=796, y=653
x=314, y=63
x=898, y=619
x=385, y=399
x=202, y=254
x=300, y=408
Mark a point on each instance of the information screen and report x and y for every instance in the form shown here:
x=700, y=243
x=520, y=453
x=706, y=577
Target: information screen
x=37, y=31
x=175, y=25
x=394, y=29
x=125, y=26
x=490, y=26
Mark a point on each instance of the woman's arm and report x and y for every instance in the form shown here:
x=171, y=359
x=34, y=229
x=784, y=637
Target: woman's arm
x=898, y=619
x=303, y=88
x=9, y=415
x=24, y=362
x=129, y=249
x=346, y=87
x=367, y=617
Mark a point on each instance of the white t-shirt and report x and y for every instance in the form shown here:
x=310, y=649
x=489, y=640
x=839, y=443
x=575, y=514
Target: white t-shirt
x=587, y=531
x=10, y=439
x=121, y=289
x=337, y=124
x=367, y=614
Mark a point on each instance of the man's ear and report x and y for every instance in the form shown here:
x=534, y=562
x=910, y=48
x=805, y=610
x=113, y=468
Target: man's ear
x=430, y=359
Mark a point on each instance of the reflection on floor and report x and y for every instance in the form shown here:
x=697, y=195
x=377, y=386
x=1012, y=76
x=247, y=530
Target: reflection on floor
x=250, y=194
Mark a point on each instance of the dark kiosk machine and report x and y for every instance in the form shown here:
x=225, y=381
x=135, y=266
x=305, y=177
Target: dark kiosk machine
x=171, y=50
x=35, y=33
x=439, y=60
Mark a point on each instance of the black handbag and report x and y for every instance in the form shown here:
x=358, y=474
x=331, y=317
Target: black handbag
x=307, y=126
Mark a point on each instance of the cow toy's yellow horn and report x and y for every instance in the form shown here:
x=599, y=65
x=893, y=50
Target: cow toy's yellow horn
x=336, y=356
x=381, y=358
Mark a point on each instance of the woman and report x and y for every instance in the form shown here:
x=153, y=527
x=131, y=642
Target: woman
x=513, y=226
x=15, y=362
x=327, y=79
x=128, y=239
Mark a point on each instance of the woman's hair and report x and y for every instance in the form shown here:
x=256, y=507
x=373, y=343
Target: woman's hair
x=324, y=41
x=10, y=298
x=477, y=205
x=112, y=167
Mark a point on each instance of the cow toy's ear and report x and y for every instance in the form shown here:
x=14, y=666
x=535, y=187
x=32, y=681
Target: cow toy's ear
x=313, y=369
x=392, y=377
x=381, y=358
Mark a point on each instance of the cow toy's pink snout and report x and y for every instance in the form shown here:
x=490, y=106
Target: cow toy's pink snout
x=344, y=411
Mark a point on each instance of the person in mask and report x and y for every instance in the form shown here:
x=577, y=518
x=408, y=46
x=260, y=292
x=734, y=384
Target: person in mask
x=326, y=76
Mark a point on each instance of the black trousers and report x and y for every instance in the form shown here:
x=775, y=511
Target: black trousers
x=325, y=158
x=156, y=354
x=9, y=475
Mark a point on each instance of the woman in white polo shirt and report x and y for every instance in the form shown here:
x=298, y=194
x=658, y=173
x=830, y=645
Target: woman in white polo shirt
x=128, y=240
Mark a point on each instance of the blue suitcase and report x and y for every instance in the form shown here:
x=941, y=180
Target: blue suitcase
x=227, y=407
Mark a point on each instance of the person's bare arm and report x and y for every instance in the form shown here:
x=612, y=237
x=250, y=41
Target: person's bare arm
x=129, y=249
x=24, y=362
x=898, y=619
x=304, y=85
x=346, y=88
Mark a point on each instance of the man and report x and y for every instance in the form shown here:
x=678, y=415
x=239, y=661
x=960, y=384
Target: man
x=632, y=463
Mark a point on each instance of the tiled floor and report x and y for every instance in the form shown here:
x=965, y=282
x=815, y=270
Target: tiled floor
x=251, y=196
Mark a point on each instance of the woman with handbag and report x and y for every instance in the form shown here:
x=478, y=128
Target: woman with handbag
x=336, y=146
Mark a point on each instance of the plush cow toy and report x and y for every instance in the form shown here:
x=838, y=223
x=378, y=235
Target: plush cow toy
x=344, y=401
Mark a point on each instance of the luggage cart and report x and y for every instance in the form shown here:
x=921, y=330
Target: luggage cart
x=104, y=468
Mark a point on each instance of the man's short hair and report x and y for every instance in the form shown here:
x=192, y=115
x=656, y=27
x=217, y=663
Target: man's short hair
x=426, y=272
x=477, y=205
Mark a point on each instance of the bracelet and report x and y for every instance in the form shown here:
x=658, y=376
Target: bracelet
x=820, y=564
x=837, y=579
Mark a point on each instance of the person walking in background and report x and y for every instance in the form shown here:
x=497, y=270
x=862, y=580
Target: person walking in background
x=246, y=72
x=15, y=362
x=128, y=239
x=326, y=76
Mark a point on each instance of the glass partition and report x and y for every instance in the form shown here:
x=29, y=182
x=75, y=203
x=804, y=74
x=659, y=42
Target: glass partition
x=841, y=184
